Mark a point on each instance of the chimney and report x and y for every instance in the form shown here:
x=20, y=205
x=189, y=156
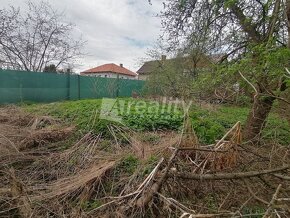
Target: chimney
x=121, y=65
x=163, y=57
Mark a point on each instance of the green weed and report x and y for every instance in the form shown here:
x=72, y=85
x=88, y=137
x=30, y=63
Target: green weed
x=90, y=205
x=148, y=116
x=128, y=164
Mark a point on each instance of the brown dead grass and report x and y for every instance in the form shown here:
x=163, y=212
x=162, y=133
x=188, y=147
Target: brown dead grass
x=67, y=183
x=145, y=149
x=44, y=136
x=15, y=116
x=65, y=187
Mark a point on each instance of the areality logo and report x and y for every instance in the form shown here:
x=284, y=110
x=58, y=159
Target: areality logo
x=116, y=109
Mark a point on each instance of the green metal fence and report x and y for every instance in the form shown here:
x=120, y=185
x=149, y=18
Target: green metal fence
x=21, y=86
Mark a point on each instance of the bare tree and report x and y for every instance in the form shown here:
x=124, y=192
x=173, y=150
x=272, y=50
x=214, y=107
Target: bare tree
x=38, y=38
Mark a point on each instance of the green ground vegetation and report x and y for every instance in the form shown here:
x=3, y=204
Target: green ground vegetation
x=209, y=124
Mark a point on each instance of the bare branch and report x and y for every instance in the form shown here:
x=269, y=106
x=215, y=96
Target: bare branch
x=256, y=91
x=37, y=38
x=229, y=176
x=271, y=204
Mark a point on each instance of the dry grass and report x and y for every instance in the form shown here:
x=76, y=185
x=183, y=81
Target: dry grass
x=88, y=179
x=54, y=178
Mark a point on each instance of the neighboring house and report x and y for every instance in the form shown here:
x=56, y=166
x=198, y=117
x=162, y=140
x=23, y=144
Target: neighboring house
x=150, y=66
x=111, y=71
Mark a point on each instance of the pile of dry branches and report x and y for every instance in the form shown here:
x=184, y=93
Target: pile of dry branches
x=236, y=176
x=186, y=179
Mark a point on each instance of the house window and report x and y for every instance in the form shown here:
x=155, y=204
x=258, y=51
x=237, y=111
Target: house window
x=106, y=75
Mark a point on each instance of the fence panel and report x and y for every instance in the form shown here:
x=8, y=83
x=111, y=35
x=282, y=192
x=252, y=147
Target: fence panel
x=97, y=87
x=19, y=86
x=126, y=87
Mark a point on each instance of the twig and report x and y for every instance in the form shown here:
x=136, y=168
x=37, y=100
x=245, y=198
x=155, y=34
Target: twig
x=228, y=176
x=283, y=199
x=256, y=91
x=282, y=176
x=242, y=206
x=270, y=205
x=253, y=194
x=123, y=196
x=201, y=149
x=145, y=199
x=151, y=175
x=287, y=71
x=102, y=206
x=219, y=143
x=225, y=199
x=11, y=143
x=148, y=179
x=176, y=204
x=208, y=215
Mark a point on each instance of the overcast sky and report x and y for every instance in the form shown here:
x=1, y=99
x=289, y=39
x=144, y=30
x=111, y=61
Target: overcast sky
x=116, y=31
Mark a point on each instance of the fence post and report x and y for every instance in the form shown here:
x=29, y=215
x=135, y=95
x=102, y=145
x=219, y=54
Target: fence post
x=79, y=87
x=118, y=83
x=68, y=86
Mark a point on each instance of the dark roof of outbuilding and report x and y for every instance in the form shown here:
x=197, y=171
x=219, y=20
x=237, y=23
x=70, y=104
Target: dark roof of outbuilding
x=150, y=66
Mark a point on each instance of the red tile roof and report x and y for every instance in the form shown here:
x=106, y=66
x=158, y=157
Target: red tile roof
x=110, y=68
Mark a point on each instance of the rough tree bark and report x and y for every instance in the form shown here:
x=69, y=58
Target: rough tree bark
x=257, y=117
x=263, y=103
x=288, y=20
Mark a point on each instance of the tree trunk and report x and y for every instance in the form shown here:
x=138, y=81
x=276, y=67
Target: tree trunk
x=288, y=20
x=257, y=118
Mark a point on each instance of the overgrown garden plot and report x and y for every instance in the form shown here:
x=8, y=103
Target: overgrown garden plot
x=209, y=122
x=60, y=158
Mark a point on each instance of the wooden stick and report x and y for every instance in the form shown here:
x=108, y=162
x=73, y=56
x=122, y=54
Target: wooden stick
x=217, y=146
x=201, y=149
x=144, y=200
x=148, y=179
x=177, y=204
x=282, y=176
x=254, y=194
x=229, y=176
x=268, y=211
x=208, y=215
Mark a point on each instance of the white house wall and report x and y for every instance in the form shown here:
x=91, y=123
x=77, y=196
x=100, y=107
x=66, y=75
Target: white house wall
x=111, y=75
